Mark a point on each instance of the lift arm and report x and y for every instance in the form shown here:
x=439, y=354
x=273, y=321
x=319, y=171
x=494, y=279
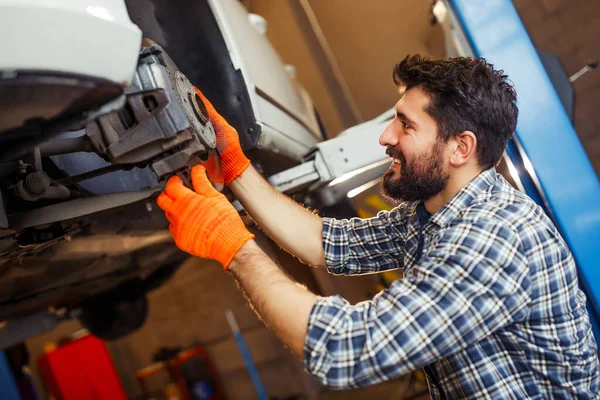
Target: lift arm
x=338, y=165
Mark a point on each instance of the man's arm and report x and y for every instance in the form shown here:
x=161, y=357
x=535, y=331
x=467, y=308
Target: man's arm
x=283, y=304
x=296, y=229
x=364, y=246
x=291, y=226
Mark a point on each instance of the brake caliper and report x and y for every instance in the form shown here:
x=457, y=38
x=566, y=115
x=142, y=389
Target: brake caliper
x=164, y=123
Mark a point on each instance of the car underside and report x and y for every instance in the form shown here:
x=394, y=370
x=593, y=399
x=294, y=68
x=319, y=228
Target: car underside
x=83, y=158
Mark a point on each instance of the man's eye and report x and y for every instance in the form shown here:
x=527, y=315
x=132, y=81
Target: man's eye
x=404, y=124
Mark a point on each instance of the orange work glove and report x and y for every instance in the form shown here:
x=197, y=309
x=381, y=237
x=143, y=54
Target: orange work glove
x=233, y=160
x=203, y=222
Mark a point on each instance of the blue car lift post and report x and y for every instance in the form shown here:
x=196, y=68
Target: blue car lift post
x=550, y=160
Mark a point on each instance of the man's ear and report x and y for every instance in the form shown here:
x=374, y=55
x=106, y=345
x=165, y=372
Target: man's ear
x=463, y=149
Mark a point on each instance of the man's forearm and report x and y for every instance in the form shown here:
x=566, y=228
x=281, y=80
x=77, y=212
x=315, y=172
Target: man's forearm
x=283, y=304
x=294, y=228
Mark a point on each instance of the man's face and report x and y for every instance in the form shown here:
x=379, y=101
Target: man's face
x=419, y=168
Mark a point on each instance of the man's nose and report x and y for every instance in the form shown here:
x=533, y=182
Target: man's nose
x=388, y=138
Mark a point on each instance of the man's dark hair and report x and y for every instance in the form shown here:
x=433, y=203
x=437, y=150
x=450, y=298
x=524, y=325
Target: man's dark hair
x=465, y=94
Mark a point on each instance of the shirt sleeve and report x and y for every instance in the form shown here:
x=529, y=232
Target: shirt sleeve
x=473, y=282
x=362, y=246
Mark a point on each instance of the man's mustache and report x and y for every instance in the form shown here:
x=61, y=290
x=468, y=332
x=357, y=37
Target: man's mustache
x=395, y=153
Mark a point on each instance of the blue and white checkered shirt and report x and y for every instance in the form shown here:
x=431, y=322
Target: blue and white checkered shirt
x=491, y=309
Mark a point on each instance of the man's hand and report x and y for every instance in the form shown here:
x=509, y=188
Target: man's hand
x=233, y=160
x=203, y=222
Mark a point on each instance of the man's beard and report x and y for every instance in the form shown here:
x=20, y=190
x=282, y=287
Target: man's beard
x=422, y=179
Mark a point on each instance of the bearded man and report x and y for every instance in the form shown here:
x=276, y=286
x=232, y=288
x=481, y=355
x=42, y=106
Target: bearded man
x=489, y=305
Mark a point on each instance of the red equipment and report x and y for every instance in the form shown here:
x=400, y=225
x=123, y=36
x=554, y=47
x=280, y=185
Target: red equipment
x=81, y=370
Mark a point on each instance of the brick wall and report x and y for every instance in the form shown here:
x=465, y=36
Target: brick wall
x=571, y=30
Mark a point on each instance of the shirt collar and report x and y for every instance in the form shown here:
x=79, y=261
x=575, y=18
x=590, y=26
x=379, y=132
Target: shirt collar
x=464, y=197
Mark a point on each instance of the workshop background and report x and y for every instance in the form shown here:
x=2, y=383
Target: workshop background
x=343, y=53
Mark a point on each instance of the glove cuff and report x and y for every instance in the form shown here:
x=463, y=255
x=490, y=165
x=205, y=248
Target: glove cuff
x=234, y=164
x=225, y=257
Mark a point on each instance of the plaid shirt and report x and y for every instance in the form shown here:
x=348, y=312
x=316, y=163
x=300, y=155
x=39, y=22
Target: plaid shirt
x=492, y=308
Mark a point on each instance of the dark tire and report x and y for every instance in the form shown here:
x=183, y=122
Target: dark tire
x=114, y=314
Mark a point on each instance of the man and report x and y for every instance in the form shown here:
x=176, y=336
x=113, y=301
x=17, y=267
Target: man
x=489, y=303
